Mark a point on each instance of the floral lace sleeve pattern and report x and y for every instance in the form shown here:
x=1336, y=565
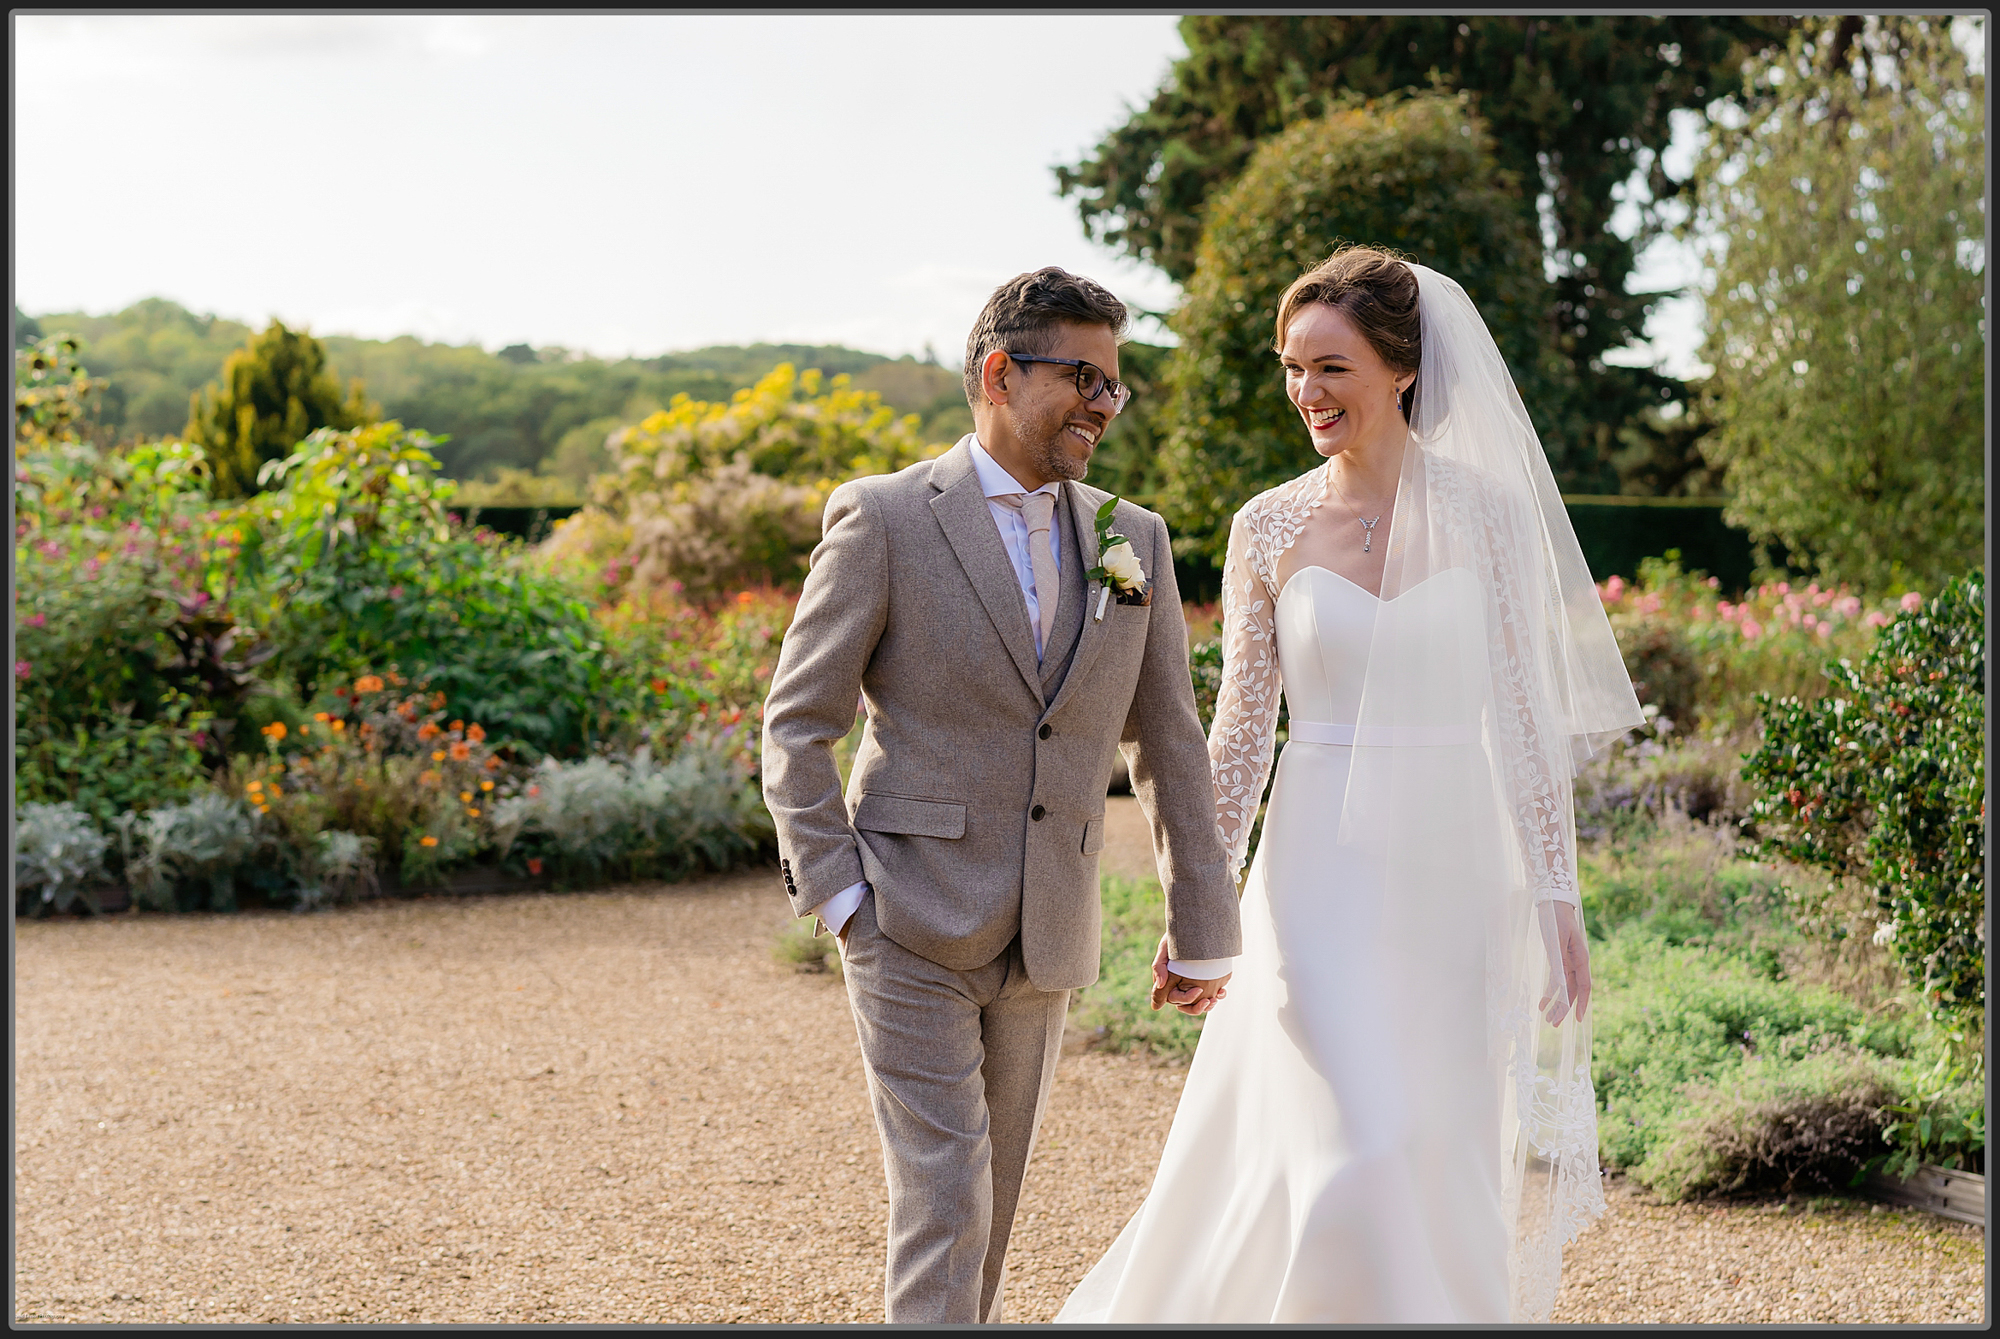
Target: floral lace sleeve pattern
x=1537, y=791
x=1242, y=740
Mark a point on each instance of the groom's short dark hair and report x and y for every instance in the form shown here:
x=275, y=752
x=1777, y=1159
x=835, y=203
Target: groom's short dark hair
x=1024, y=314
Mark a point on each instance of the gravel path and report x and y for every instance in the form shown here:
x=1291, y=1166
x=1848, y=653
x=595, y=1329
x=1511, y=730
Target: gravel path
x=614, y=1107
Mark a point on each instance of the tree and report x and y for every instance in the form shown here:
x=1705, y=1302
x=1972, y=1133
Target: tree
x=1848, y=322
x=273, y=393
x=1435, y=191
x=53, y=394
x=1575, y=106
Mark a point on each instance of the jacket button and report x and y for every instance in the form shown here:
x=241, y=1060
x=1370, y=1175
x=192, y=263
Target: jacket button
x=1045, y=732
x=1038, y=813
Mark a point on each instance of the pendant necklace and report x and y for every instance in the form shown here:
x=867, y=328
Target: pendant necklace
x=1367, y=527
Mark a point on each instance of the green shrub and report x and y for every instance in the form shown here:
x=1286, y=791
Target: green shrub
x=366, y=569
x=1886, y=780
x=637, y=818
x=190, y=855
x=1115, y=1009
x=58, y=859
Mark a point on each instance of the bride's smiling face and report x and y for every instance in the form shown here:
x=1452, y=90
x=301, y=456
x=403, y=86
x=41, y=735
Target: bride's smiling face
x=1341, y=387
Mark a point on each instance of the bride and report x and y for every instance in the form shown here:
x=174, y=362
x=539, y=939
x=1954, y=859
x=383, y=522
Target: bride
x=1390, y=1119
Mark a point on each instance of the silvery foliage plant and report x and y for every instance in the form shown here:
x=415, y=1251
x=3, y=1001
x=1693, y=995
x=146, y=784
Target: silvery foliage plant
x=185, y=849
x=58, y=857
x=635, y=816
x=338, y=867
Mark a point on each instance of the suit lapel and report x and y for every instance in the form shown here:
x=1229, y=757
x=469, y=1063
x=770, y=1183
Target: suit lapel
x=960, y=507
x=1083, y=516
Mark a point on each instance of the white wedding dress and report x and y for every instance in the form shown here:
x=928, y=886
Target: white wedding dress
x=1390, y=1117
x=1335, y=1155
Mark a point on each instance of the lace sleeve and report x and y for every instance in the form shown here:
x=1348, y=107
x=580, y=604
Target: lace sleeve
x=1240, y=742
x=1534, y=752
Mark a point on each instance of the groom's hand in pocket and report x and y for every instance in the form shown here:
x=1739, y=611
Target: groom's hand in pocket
x=1190, y=996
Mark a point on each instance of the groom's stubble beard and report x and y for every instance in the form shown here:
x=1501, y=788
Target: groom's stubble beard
x=1043, y=435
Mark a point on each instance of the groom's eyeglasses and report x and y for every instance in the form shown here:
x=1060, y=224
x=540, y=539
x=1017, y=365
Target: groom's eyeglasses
x=1090, y=379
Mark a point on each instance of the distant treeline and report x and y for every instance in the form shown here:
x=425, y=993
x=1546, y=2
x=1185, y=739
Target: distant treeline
x=544, y=410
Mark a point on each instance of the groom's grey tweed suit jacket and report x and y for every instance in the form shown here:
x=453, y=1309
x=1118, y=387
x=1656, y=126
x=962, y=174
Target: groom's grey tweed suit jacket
x=976, y=806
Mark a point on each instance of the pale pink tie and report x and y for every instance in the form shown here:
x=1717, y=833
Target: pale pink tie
x=1039, y=511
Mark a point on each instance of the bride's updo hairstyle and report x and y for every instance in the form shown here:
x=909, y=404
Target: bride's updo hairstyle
x=1377, y=292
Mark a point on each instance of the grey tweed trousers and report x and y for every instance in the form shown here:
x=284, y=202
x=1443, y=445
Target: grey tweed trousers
x=959, y=1067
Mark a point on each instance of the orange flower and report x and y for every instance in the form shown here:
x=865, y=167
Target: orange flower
x=492, y=763
x=338, y=726
x=438, y=756
x=273, y=791
x=474, y=733
x=408, y=711
x=534, y=864
x=745, y=597
x=428, y=841
x=254, y=786
x=321, y=717
x=428, y=730
x=461, y=751
x=276, y=730
x=437, y=701
x=534, y=790
x=430, y=778
x=368, y=683
x=465, y=796
x=458, y=725
x=474, y=813
x=486, y=785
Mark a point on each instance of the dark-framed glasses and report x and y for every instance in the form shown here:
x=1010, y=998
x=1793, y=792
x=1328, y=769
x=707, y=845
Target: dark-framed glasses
x=1090, y=379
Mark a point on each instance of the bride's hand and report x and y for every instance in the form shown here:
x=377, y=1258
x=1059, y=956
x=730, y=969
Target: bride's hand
x=1573, y=951
x=1191, y=997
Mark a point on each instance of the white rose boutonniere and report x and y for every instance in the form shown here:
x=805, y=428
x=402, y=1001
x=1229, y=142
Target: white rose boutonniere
x=1118, y=566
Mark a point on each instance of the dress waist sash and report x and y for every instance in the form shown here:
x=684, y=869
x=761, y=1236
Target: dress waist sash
x=1382, y=736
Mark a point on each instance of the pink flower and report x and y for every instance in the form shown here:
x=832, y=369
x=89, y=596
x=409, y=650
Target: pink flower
x=49, y=548
x=1650, y=604
x=22, y=669
x=1912, y=602
x=1614, y=589
x=395, y=592
x=36, y=620
x=1810, y=621
x=1784, y=588
x=1715, y=583
x=1826, y=630
x=1876, y=618
x=1724, y=609
x=1752, y=629
x=1847, y=606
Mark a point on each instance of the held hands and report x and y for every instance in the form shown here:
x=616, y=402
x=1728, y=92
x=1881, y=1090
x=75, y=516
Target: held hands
x=1193, y=998
x=1571, y=953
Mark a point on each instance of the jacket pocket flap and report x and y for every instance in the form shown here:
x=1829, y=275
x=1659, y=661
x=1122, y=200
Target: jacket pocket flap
x=917, y=818
x=1093, y=836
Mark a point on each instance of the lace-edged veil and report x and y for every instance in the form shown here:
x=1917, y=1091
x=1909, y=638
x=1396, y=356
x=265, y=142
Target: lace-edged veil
x=1540, y=683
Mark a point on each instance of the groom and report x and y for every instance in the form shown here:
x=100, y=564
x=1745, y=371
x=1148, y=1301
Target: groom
x=960, y=868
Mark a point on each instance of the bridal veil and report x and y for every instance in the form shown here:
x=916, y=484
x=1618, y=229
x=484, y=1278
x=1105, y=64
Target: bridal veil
x=1540, y=679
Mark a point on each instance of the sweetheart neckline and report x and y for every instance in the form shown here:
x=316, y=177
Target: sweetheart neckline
x=1315, y=567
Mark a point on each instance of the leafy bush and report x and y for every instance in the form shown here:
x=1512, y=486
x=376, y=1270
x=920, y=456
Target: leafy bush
x=366, y=569
x=1887, y=780
x=637, y=818
x=1698, y=659
x=1115, y=1010
x=190, y=855
x=58, y=857
x=723, y=496
x=1432, y=189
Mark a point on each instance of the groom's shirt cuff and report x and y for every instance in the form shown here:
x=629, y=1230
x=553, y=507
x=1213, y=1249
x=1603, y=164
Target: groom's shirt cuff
x=835, y=912
x=1204, y=969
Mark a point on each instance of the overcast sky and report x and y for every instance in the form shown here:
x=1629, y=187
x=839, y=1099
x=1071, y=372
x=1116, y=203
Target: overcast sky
x=628, y=184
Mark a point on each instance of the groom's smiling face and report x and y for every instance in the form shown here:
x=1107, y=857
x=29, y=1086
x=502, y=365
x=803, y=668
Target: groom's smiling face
x=1041, y=425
